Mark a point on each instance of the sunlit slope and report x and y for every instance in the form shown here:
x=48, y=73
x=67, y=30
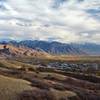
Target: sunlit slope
x=11, y=50
x=10, y=87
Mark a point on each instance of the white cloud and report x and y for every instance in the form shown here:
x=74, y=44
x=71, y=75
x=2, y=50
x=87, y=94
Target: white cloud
x=62, y=20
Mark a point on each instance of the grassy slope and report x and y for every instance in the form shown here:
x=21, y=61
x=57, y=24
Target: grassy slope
x=62, y=94
x=10, y=87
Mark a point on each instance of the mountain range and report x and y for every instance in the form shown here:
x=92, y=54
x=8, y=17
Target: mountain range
x=57, y=48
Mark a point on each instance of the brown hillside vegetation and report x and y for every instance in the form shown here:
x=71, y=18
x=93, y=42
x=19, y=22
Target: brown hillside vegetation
x=21, y=51
x=19, y=84
x=11, y=87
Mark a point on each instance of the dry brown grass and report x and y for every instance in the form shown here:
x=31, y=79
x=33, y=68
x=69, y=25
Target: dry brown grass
x=63, y=94
x=10, y=88
x=37, y=94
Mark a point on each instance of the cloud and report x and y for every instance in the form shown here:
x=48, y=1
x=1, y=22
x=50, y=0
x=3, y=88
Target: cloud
x=52, y=20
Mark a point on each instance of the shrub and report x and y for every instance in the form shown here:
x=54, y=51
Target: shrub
x=59, y=87
x=37, y=95
x=2, y=65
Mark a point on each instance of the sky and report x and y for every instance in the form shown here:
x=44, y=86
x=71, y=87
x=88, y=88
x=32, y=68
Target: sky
x=65, y=21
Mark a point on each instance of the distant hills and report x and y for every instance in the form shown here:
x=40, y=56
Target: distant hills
x=89, y=48
x=57, y=48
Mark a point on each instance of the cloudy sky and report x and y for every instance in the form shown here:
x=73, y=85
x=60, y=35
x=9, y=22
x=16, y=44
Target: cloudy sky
x=50, y=20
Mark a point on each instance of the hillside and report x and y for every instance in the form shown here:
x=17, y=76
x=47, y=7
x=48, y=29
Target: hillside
x=11, y=50
x=10, y=91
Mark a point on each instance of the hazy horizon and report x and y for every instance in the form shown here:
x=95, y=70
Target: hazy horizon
x=8, y=40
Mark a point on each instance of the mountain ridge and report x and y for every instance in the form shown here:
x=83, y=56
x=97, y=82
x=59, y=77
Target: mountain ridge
x=8, y=50
x=54, y=48
x=57, y=48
